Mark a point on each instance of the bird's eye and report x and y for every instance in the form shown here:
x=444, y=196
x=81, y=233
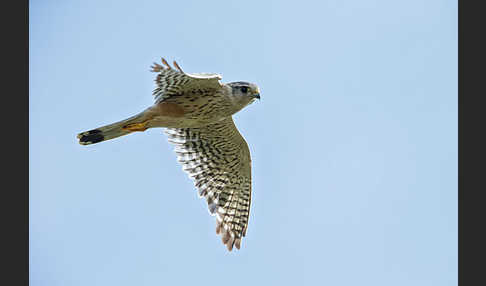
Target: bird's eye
x=244, y=89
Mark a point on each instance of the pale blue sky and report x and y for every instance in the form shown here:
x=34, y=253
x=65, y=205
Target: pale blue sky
x=354, y=143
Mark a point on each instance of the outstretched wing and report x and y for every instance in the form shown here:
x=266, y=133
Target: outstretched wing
x=173, y=82
x=217, y=158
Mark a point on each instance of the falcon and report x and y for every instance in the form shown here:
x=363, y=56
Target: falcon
x=196, y=112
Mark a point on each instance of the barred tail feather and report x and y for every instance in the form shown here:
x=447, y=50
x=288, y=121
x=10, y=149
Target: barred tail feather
x=107, y=132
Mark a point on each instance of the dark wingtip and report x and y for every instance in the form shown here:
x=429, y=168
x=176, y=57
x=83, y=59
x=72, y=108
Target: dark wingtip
x=90, y=137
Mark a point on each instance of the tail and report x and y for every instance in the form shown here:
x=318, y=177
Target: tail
x=111, y=131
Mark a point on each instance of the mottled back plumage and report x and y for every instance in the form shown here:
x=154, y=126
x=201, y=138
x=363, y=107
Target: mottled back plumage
x=196, y=111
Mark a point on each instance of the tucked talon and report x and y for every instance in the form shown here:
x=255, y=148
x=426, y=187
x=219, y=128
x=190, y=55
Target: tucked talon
x=135, y=127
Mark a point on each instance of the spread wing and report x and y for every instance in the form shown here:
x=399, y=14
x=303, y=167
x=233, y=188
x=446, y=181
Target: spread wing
x=173, y=82
x=217, y=158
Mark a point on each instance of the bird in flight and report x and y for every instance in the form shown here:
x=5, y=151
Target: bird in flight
x=196, y=112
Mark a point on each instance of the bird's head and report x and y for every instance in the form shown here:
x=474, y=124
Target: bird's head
x=243, y=93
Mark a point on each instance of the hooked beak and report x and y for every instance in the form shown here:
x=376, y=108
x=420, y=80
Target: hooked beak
x=257, y=93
